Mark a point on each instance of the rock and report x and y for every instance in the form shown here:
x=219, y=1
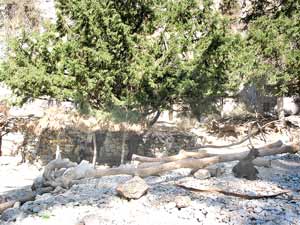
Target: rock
x=10, y=214
x=257, y=210
x=43, y=196
x=36, y=209
x=38, y=183
x=245, y=167
x=182, y=201
x=202, y=174
x=17, y=205
x=215, y=170
x=170, y=205
x=133, y=188
x=181, y=172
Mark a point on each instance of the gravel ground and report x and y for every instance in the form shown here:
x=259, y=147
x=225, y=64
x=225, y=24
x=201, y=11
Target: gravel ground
x=96, y=202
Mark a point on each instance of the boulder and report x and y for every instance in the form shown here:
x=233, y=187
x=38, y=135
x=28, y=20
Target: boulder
x=133, y=188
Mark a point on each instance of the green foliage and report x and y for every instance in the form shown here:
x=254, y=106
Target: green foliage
x=274, y=44
x=141, y=56
x=144, y=56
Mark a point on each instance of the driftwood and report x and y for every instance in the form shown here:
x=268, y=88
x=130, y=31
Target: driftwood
x=154, y=166
x=270, y=149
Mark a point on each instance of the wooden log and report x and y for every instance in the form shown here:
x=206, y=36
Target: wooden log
x=201, y=154
x=193, y=163
x=260, y=161
x=181, y=155
x=183, y=160
x=143, y=172
x=56, y=164
x=9, y=204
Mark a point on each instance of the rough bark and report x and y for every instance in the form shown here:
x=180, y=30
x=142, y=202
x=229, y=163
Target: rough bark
x=280, y=110
x=124, y=136
x=95, y=150
x=153, y=121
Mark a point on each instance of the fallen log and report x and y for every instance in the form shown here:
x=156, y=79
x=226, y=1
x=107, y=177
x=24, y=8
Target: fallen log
x=181, y=155
x=10, y=204
x=194, y=160
x=143, y=172
x=204, y=153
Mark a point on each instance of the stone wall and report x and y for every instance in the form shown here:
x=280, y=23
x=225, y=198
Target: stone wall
x=77, y=145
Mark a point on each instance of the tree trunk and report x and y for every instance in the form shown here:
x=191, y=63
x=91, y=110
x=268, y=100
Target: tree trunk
x=280, y=110
x=153, y=121
x=95, y=150
x=124, y=135
x=0, y=143
x=57, y=153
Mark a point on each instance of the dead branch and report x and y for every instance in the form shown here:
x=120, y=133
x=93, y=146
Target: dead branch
x=235, y=194
x=250, y=134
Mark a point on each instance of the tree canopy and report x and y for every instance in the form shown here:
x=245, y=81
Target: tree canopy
x=146, y=56
x=273, y=47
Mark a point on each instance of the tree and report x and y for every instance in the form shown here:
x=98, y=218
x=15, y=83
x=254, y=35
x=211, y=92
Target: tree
x=275, y=40
x=142, y=56
x=273, y=49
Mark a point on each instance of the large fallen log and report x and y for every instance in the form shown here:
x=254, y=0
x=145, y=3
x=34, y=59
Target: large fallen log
x=265, y=150
x=194, y=160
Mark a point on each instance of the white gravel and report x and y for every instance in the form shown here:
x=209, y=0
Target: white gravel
x=96, y=200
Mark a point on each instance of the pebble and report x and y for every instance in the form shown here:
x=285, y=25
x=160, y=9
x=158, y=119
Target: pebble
x=202, y=174
x=182, y=201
